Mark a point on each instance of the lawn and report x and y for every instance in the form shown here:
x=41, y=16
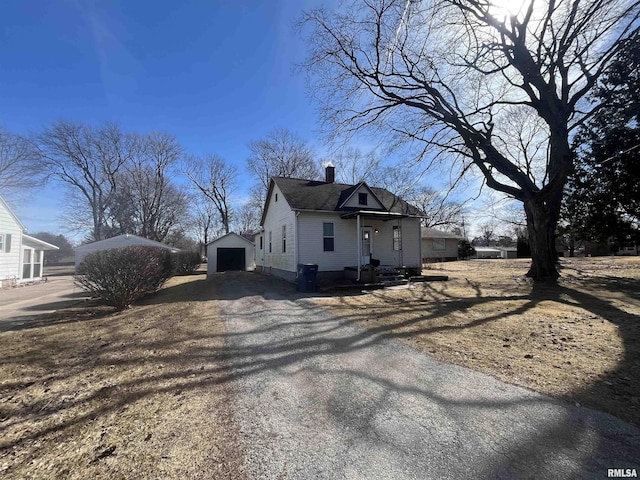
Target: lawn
x=578, y=340
x=89, y=393
x=146, y=393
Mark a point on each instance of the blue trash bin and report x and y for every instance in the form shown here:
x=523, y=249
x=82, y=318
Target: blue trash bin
x=307, y=274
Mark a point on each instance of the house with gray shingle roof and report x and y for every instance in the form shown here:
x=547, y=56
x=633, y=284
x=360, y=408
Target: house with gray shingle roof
x=337, y=227
x=439, y=246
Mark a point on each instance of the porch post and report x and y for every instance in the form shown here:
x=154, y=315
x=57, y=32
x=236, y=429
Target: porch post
x=359, y=245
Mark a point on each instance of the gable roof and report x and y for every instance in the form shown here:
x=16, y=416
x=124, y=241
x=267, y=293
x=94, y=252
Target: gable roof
x=434, y=233
x=128, y=238
x=228, y=235
x=13, y=215
x=330, y=197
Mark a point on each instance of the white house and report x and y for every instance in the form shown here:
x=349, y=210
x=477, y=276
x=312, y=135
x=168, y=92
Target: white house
x=21, y=256
x=125, y=240
x=336, y=226
x=439, y=246
x=230, y=252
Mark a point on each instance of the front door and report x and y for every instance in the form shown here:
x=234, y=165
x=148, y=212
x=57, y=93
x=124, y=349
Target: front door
x=367, y=245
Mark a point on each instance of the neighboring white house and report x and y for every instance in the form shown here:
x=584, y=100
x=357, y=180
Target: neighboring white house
x=230, y=252
x=496, y=252
x=21, y=256
x=439, y=246
x=125, y=240
x=337, y=227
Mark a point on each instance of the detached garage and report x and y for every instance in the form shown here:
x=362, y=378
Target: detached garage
x=230, y=252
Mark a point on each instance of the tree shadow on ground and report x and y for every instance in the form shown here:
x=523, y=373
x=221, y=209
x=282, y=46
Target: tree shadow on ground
x=303, y=332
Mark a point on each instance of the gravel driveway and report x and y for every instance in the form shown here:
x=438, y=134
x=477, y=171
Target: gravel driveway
x=318, y=397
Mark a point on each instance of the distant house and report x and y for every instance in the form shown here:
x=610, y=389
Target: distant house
x=21, y=256
x=439, y=246
x=125, y=240
x=496, y=252
x=230, y=252
x=339, y=227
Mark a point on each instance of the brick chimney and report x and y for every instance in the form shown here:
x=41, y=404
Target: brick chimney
x=330, y=174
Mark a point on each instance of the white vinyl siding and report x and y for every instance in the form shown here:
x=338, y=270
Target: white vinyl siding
x=231, y=240
x=278, y=226
x=311, y=238
x=354, y=199
x=11, y=232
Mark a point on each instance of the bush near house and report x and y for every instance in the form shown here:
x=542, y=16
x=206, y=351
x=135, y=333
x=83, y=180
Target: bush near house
x=185, y=263
x=120, y=276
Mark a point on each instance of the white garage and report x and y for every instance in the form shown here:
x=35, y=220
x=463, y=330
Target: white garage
x=125, y=240
x=230, y=252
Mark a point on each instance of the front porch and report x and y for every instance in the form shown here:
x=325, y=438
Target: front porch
x=384, y=274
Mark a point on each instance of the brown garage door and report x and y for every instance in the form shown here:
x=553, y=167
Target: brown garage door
x=230, y=259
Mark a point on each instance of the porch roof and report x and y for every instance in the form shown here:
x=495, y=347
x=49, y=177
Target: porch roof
x=33, y=242
x=379, y=215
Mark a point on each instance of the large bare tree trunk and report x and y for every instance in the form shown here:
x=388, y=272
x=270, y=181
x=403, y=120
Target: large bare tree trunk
x=542, y=219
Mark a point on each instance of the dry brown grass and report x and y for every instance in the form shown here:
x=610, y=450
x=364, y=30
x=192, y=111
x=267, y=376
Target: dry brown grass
x=578, y=340
x=138, y=394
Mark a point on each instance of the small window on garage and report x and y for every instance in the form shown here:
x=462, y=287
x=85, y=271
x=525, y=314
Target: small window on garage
x=328, y=237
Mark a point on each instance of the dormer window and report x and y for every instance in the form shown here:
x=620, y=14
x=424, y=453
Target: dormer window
x=362, y=199
x=276, y=197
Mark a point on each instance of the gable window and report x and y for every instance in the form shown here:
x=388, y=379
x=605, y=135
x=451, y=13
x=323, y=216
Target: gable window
x=328, y=237
x=397, y=238
x=276, y=197
x=362, y=199
x=439, y=244
x=261, y=242
x=270, y=240
x=284, y=238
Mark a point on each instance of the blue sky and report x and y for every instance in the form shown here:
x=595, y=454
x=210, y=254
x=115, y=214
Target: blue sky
x=216, y=74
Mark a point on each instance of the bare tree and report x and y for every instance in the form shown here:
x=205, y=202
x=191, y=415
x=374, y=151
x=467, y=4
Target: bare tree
x=204, y=219
x=151, y=203
x=88, y=160
x=456, y=74
x=247, y=218
x=212, y=177
x=438, y=209
x=20, y=168
x=280, y=154
x=354, y=166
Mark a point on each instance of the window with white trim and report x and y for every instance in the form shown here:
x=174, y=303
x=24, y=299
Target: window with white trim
x=284, y=239
x=328, y=237
x=2, y=242
x=397, y=238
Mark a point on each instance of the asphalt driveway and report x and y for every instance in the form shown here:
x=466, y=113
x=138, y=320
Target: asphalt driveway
x=21, y=306
x=318, y=397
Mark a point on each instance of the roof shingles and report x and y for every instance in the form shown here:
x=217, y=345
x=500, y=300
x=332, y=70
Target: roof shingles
x=314, y=195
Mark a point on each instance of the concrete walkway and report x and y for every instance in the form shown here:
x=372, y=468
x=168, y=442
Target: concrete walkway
x=320, y=398
x=20, y=306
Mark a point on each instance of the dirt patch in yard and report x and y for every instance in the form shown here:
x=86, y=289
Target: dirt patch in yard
x=578, y=340
x=88, y=393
